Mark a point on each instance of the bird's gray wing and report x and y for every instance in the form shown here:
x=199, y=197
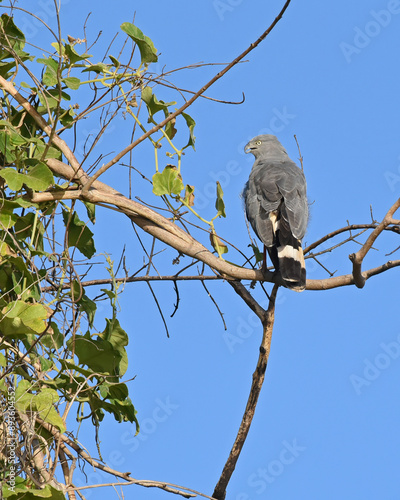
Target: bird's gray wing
x=270, y=184
x=291, y=183
x=277, y=181
x=261, y=197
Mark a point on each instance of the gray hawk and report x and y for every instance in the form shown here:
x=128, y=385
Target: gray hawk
x=275, y=198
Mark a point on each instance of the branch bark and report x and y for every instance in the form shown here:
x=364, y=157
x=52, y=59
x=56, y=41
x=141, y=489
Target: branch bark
x=267, y=320
x=169, y=233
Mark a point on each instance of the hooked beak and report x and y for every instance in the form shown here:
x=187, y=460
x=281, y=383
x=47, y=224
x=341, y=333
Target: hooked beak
x=248, y=148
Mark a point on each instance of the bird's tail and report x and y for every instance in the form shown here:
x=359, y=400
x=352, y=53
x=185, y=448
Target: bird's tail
x=287, y=256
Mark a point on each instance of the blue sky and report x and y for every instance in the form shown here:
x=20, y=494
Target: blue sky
x=327, y=421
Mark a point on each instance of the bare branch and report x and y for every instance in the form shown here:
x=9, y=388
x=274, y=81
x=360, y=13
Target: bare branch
x=357, y=258
x=348, y=279
x=168, y=232
x=171, y=488
x=267, y=319
x=350, y=227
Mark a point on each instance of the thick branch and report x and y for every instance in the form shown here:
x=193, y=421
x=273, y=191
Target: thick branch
x=267, y=320
x=161, y=228
x=166, y=231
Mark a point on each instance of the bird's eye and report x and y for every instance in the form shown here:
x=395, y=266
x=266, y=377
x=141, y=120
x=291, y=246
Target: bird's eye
x=258, y=143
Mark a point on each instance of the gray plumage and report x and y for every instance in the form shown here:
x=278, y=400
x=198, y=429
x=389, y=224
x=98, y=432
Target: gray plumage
x=275, y=198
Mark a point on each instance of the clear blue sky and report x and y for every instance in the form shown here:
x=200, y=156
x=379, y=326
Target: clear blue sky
x=327, y=423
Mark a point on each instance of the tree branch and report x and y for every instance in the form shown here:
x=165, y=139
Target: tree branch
x=350, y=227
x=267, y=320
x=123, y=475
x=357, y=258
x=188, y=103
x=168, y=232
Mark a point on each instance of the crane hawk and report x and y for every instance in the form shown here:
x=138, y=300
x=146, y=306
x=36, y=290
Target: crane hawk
x=277, y=208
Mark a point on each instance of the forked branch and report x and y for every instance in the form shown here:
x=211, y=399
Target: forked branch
x=357, y=258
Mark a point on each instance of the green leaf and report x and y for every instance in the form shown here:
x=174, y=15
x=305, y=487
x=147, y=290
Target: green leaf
x=51, y=99
x=257, y=254
x=59, y=48
x=118, y=337
x=153, y=104
x=219, y=204
x=79, y=235
x=50, y=77
x=168, y=181
x=91, y=211
x=89, y=306
x=72, y=82
x=98, y=354
x=18, y=280
x=41, y=147
x=22, y=389
x=27, y=226
x=6, y=148
x=55, y=339
x=191, y=124
x=113, y=391
x=22, y=318
x=73, y=56
x=115, y=61
x=24, y=490
x=148, y=53
x=39, y=177
x=14, y=179
x=7, y=216
x=217, y=244
x=42, y=402
x=10, y=36
x=67, y=117
x=97, y=68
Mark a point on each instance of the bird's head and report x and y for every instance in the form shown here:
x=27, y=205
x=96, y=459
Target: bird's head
x=264, y=145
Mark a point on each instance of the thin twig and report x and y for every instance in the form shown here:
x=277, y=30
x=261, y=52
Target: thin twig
x=215, y=303
x=158, y=307
x=176, y=289
x=300, y=156
x=350, y=227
